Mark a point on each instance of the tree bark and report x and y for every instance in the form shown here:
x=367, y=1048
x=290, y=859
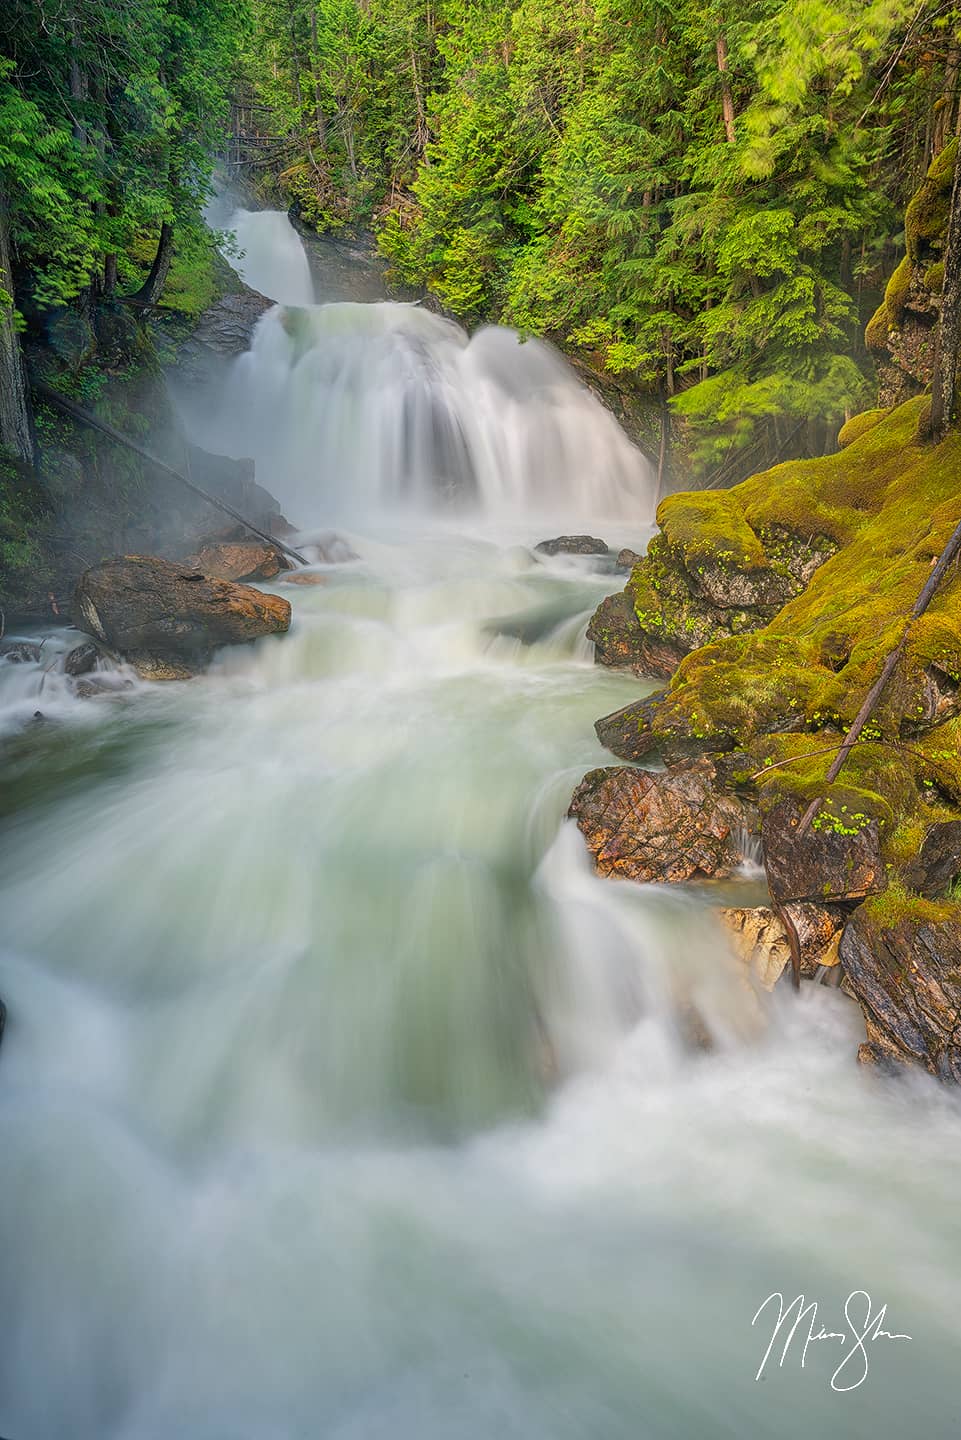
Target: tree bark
x=944, y=123
x=315, y=66
x=16, y=431
x=944, y=381
x=152, y=288
x=727, y=100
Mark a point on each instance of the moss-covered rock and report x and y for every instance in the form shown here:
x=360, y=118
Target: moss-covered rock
x=900, y=334
x=780, y=697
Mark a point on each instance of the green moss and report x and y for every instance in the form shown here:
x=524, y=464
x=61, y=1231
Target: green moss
x=877, y=329
x=859, y=425
x=898, y=904
x=926, y=217
x=896, y=291
x=709, y=527
x=934, y=277
x=790, y=690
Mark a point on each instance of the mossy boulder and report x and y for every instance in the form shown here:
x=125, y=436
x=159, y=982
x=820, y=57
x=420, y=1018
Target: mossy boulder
x=901, y=332
x=780, y=697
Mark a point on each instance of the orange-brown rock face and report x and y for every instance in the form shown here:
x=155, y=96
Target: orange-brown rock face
x=237, y=560
x=663, y=827
x=167, y=619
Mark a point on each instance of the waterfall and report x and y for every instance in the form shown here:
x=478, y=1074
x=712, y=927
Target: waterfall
x=350, y=409
x=269, y=255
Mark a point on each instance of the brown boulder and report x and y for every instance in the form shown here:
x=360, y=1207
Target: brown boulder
x=628, y=733
x=907, y=980
x=827, y=863
x=167, y=620
x=662, y=827
x=237, y=560
x=621, y=644
x=939, y=859
x=758, y=938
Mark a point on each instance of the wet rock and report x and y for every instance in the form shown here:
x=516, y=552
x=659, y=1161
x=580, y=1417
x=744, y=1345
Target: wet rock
x=661, y=827
x=627, y=559
x=237, y=560
x=827, y=863
x=331, y=549
x=759, y=939
x=629, y=733
x=939, y=859
x=621, y=644
x=98, y=687
x=572, y=545
x=20, y=652
x=227, y=327
x=907, y=980
x=707, y=577
x=81, y=659
x=167, y=620
x=302, y=577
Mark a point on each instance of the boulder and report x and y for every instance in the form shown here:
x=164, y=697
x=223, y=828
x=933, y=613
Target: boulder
x=907, y=980
x=627, y=559
x=629, y=733
x=759, y=940
x=621, y=644
x=832, y=861
x=330, y=549
x=20, y=652
x=674, y=826
x=167, y=620
x=81, y=659
x=237, y=560
x=572, y=545
x=939, y=859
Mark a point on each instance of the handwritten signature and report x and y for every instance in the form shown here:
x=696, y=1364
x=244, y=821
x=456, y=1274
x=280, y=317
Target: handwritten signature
x=864, y=1326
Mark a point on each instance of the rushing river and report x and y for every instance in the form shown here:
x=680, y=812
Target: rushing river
x=338, y=1099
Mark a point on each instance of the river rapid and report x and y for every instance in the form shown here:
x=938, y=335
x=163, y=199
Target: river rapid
x=338, y=1097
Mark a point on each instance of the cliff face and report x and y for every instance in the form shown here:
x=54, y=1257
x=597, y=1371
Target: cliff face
x=87, y=498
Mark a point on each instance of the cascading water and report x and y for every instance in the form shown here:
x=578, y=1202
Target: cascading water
x=339, y=1099
x=352, y=408
x=270, y=256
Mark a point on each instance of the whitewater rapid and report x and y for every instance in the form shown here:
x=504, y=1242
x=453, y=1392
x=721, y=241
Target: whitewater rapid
x=338, y=1097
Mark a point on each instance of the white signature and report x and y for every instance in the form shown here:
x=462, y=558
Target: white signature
x=862, y=1330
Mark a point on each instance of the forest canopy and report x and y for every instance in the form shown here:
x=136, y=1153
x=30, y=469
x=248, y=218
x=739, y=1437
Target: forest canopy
x=703, y=199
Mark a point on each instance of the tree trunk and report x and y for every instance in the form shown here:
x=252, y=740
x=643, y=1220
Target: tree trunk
x=727, y=101
x=315, y=66
x=152, y=288
x=945, y=377
x=16, y=432
x=944, y=124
